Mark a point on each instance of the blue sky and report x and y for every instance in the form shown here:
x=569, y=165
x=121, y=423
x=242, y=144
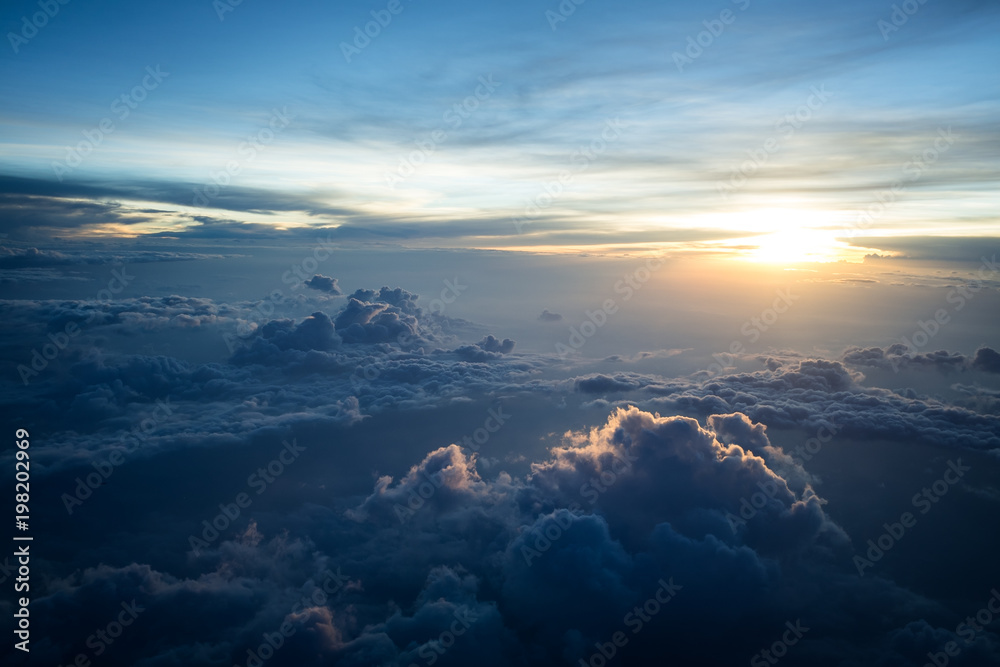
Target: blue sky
x=669, y=177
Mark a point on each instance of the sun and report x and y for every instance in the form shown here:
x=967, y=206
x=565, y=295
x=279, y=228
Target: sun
x=787, y=234
x=797, y=247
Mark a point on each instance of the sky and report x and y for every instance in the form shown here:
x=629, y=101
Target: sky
x=402, y=333
x=788, y=124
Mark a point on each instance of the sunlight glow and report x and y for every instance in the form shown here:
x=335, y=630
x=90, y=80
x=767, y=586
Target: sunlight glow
x=798, y=246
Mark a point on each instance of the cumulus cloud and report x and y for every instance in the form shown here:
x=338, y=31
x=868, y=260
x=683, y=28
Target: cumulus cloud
x=806, y=394
x=445, y=564
x=379, y=317
x=488, y=349
x=681, y=481
x=316, y=332
x=493, y=344
x=92, y=393
x=324, y=284
x=987, y=360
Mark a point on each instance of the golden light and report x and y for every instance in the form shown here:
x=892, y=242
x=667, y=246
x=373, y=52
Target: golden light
x=798, y=246
x=795, y=234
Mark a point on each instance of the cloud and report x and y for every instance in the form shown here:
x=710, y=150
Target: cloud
x=948, y=249
x=604, y=384
x=493, y=344
x=23, y=258
x=488, y=349
x=987, y=360
x=362, y=322
x=316, y=332
x=811, y=393
x=681, y=479
x=898, y=356
x=547, y=316
x=593, y=527
x=538, y=569
x=590, y=529
x=324, y=284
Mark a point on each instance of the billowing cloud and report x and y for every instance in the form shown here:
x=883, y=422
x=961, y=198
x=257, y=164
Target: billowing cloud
x=678, y=494
x=657, y=527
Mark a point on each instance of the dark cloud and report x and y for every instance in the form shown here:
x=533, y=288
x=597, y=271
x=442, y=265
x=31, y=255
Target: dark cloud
x=949, y=249
x=405, y=301
x=24, y=258
x=537, y=569
x=493, y=344
x=603, y=384
x=362, y=322
x=987, y=360
x=233, y=197
x=324, y=284
x=488, y=349
x=899, y=356
x=809, y=393
x=316, y=332
x=547, y=316
x=535, y=565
